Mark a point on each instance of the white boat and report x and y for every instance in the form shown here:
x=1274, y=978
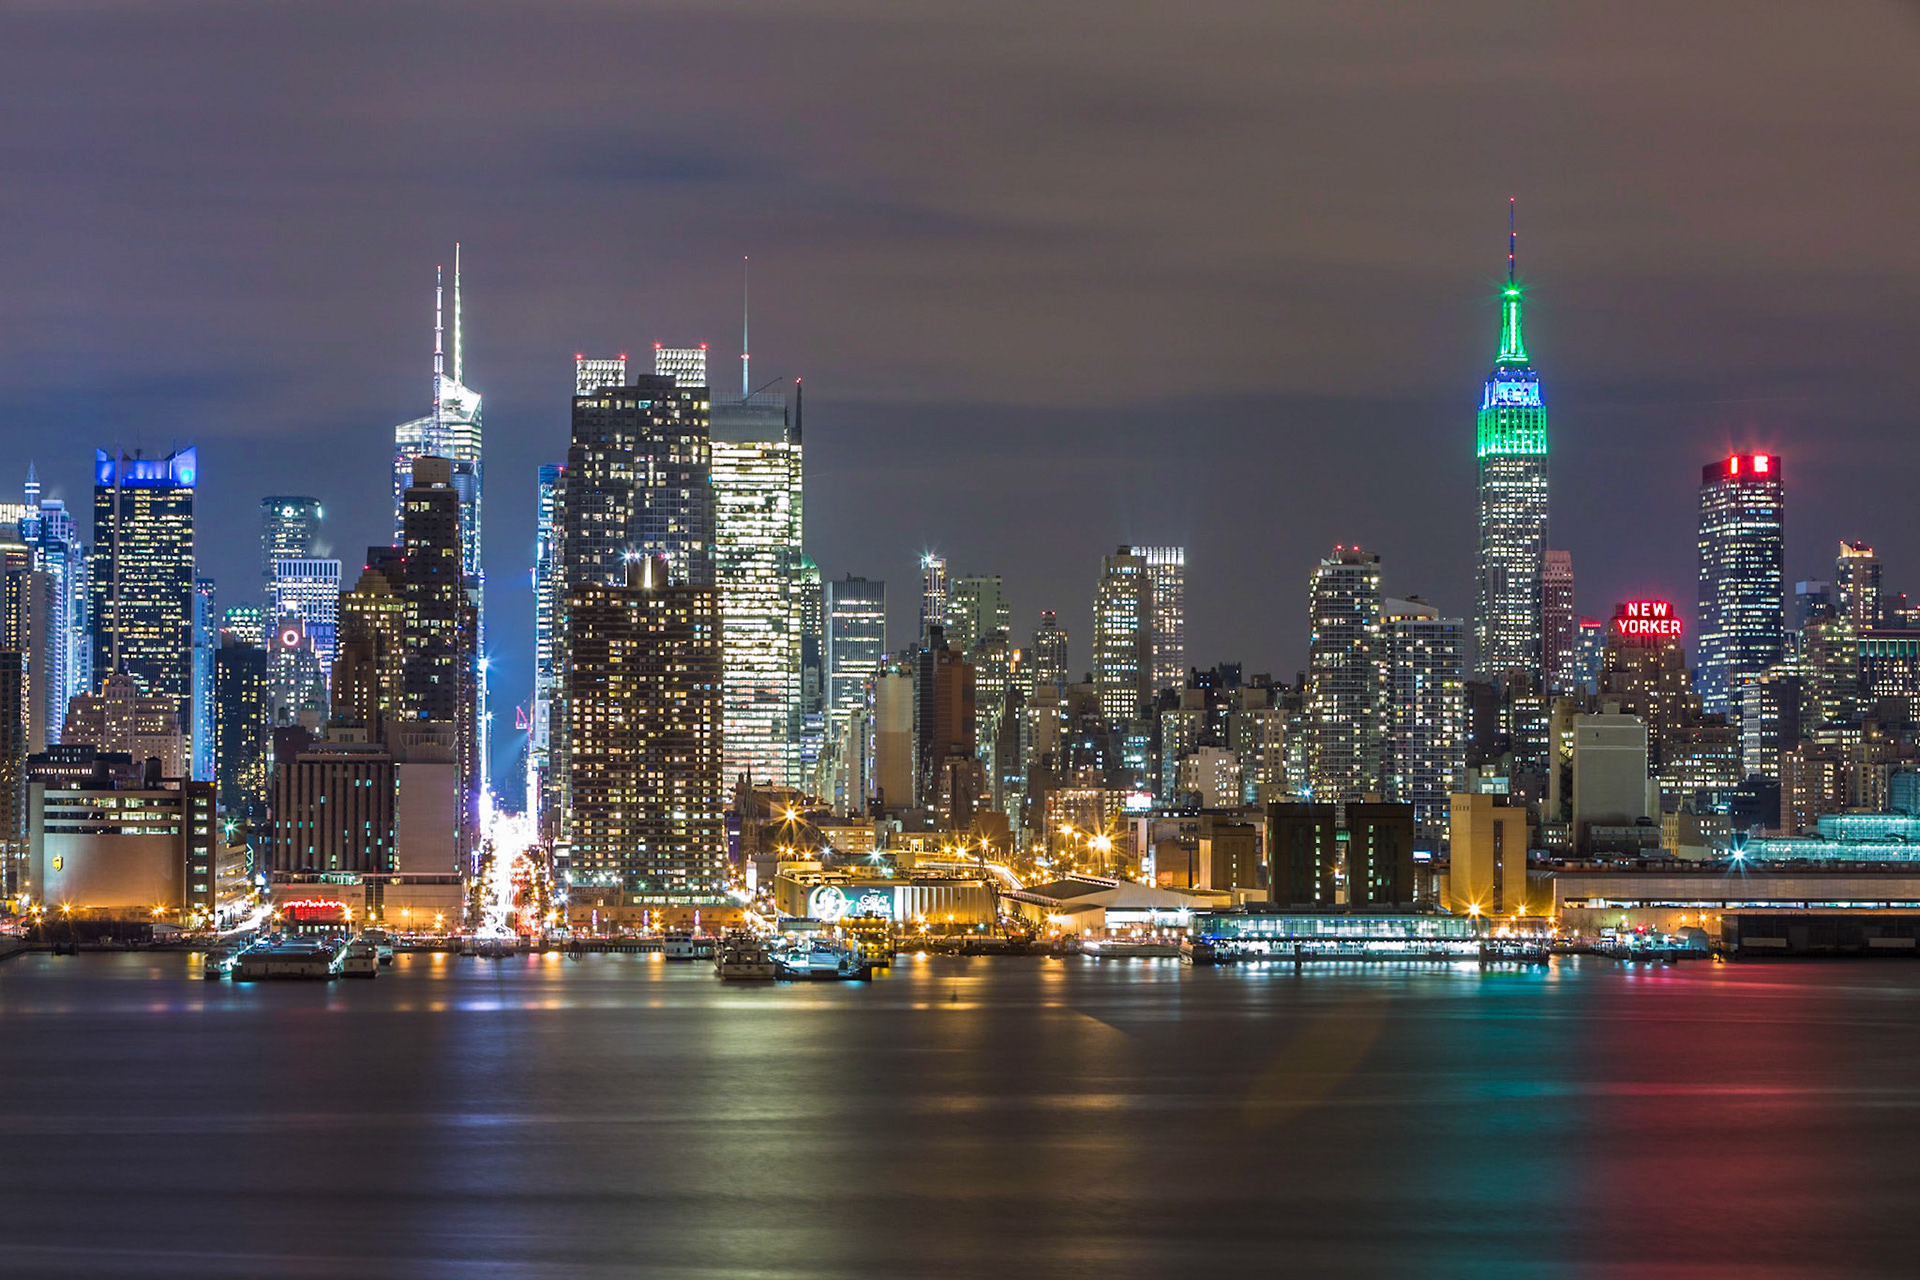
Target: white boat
x=218, y=964
x=382, y=943
x=681, y=944
x=1132, y=948
x=362, y=960
x=289, y=958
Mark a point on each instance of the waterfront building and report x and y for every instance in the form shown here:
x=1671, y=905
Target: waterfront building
x=1426, y=752
x=1856, y=581
x=1167, y=567
x=1347, y=677
x=333, y=810
x=1511, y=441
x=1303, y=854
x=856, y=642
x=644, y=695
x=933, y=593
x=138, y=853
x=1487, y=856
x=976, y=609
x=1742, y=575
x=758, y=514
x=1380, y=862
x=142, y=573
x=1123, y=646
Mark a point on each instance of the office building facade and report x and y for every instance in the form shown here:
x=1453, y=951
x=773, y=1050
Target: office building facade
x=142, y=576
x=1742, y=597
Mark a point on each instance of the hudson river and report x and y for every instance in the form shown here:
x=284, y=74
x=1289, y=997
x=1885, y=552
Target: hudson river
x=617, y=1116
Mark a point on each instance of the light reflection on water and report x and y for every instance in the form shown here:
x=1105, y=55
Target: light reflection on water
x=619, y=1116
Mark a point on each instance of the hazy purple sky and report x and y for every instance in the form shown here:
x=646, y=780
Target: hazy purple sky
x=1058, y=276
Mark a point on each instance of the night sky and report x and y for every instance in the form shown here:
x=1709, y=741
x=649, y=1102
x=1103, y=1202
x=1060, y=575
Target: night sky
x=1057, y=276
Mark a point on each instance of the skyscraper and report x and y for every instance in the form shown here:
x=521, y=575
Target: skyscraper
x=370, y=656
x=856, y=642
x=289, y=529
x=1167, y=566
x=439, y=671
x=206, y=641
x=685, y=365
x=976, y=608
x=546, y=622
x=757, y=553
x=1123, y=610
x=1856, y=580
x=1347, y=664
x=933, y=592
x=143, y=571
x=242, y=723
x=1512, y=447
x=1427, y=743
x=1049, y=653
x=1742, y=576
x=644, y=689
x=308, y=588
x=67, y=671
x=452, y=430
x=1557, y=618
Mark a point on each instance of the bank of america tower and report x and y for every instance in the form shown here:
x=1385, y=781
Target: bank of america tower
x=1512, y=444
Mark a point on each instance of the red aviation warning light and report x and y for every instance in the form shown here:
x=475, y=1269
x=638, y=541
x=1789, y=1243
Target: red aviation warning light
x=1646, y=622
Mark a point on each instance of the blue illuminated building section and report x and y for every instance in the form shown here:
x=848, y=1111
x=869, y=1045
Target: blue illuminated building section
x=175, y=471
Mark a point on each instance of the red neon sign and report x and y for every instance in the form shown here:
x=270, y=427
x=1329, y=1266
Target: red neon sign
x=1646, y=620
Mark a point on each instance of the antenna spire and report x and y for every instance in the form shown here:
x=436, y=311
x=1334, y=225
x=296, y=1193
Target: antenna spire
x=459, y=370
x=1513, y=242
x=439, y=330
x=746, y=382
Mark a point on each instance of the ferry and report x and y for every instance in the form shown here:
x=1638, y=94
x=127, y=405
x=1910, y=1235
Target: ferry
x=743, y=957
x=1132, y=948
x=683, y=944
x=382, y=944
x=822, y=958
x=361, y=960
x=219, y=963
x=290, y=958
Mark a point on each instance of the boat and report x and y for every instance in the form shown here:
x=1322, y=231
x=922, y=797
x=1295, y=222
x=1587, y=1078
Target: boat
x=361, y=960
x=1132, y=949
x=822, y=958
x=219, y=963
x=743, y=957
x=496, y=948
x=290, y=958
x=682, y=944
x=382, y=944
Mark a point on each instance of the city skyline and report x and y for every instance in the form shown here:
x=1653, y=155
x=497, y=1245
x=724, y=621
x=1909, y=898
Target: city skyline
x=1344, y=328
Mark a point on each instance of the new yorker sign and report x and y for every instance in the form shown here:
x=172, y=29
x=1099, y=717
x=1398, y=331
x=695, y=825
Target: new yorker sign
x=1646, y=622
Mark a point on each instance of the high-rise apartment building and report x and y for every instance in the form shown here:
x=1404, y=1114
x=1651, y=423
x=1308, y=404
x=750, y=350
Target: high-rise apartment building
x=1856, y=581
x=142, y=573
x=685, y=365
x=1347, y=662
x=590, y=373
x=1742, y=576
x=856, y=642
x=1123, y=637
x=757, y=556
x=644, y=757
x=976, y=608
x=810, y=597
x=1167, y=567
x=638, y=482
x=242, y=725
x=289, y=529
x=1427, y=743
x=933, y=592
x=370, y=654
x=1511, y=440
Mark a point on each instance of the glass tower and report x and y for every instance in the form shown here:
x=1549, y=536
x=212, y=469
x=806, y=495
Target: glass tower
x=1123, y=637
x=1742, y=576
x=856, y=643
x=933, y=593
x=1347, y=670
x=546, y=616
x=290, y=527
x=143, y=570
x=1167, y=566
x=757, y=538
x=1512, y=444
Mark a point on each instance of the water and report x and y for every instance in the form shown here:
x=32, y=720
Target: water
x=617, y=1116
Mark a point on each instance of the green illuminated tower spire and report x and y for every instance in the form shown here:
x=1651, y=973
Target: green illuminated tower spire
x=1511, y=441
